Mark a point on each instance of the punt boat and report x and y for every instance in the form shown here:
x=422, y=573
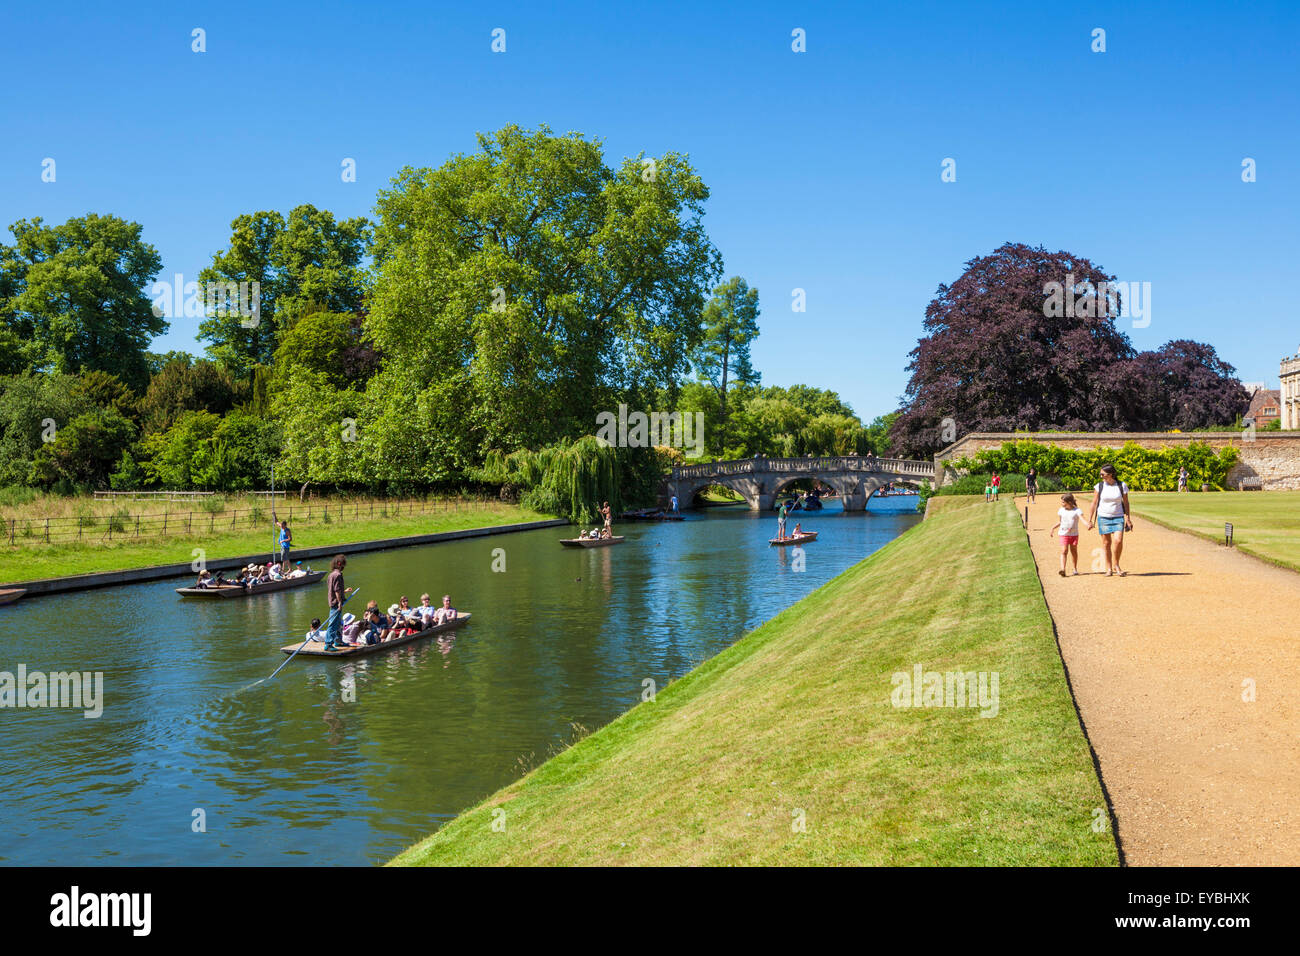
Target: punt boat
x=237, y=590
x=794, y=539
x=317, y=649
x=591, y=542
x=9, y=595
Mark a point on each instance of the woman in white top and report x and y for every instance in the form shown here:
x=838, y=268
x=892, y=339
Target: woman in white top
x=1110, y=512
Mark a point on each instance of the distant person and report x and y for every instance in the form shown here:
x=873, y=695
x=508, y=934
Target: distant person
x=1031, y=485
x=674, y=505
x=285, y=538
x=608, y=530
x=988, y=490
x=1068, y=521
x=1182, y=478
x=997, y=485
x=780, y=521
x=1110, y=513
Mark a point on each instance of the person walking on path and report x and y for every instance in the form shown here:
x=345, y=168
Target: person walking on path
x=1067, y=519
x=988, y=490
x=1182, y=477
x=337, y=595
x=997, y=485
x=1031, y=485
x=1110, y=513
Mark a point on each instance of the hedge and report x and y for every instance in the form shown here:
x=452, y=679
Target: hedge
x=1143, y=469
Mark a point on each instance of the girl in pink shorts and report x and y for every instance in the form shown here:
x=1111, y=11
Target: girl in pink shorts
x=1068, y=518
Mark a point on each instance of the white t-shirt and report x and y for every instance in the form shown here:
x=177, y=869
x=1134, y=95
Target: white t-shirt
x=1111, y=498
x=1070, y=520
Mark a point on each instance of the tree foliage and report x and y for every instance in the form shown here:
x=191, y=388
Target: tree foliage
x=998, y=357
x=534, y=285
x=305, y=263
x=74, y=299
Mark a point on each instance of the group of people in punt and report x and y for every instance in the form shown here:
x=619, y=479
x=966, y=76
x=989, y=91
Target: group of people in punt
x=376, y=626
x=251, y=575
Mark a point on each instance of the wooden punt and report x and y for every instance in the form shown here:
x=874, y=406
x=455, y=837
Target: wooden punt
x=235, y=590
x=317, y=649
x=9, y=595
x=591, y=542
x=794, y=539
x=657, y=515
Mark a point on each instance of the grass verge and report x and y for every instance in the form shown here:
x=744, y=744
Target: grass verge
x=785, y=748
x=29, y=562
x=1266, y=524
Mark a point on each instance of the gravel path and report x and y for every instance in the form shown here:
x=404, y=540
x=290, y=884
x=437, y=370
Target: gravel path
x=1157, y=661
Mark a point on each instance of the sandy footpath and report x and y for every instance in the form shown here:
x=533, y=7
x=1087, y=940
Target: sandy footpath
x=1157, y=661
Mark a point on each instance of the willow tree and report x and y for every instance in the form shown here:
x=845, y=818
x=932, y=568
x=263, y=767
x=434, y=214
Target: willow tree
x=533, y=285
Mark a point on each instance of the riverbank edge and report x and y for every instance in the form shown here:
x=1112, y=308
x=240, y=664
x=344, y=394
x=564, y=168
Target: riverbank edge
x=157, y=572
x=733, y=655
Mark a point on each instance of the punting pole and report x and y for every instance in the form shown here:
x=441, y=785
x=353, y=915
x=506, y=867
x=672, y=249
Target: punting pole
x=304, y=643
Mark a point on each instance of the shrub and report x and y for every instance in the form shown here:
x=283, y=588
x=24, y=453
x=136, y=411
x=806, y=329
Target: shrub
x=1143, y=469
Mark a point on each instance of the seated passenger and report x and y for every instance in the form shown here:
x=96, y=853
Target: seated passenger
x=446, y=612
x=351, y=630
x=317, y=633
x=204, y=581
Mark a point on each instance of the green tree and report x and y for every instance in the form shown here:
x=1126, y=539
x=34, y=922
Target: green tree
x=183, y=385
x=33, y=407
x=535, y=285
x=86, y=450
x=330, y=343
x=305, y=263
x=75, y=292
x=730, y=325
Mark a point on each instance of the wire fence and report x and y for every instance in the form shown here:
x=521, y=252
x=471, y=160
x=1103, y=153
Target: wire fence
x=89, y=528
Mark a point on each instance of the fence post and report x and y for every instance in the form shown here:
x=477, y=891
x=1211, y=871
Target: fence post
x=212, y=520
x=137, y=526
x=13, y=522
x=164, y=521
x=47, y=530
x=189, y=521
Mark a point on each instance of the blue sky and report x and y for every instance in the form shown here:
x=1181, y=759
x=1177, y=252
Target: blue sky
x=824, y=166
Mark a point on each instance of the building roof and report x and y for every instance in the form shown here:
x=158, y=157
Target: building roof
x=1262, y=397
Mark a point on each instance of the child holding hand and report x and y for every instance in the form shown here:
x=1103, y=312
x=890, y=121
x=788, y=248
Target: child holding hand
x=1068, y=518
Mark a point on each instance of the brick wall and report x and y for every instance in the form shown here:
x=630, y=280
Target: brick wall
x=1273, y=458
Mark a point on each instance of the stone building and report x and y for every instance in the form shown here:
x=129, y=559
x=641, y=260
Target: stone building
x=1290, y=392
x=1264, y=407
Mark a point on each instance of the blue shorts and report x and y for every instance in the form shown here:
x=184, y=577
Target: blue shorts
x=1110, y=525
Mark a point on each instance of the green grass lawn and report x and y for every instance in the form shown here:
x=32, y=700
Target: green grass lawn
x=1265, y=524
x=794, y=723
x=29, y=562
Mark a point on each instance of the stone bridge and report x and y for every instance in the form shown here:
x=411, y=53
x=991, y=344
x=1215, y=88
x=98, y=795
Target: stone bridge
x=760, y=480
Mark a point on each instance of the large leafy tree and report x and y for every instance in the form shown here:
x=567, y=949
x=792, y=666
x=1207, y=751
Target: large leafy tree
x=995, y=359
x=722, y=357
x=305, y=263
x=533, y=285
x=327, y=342
x=72, y=297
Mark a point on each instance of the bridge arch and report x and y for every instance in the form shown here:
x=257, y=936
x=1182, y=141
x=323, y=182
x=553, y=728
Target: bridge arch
x=760, y=480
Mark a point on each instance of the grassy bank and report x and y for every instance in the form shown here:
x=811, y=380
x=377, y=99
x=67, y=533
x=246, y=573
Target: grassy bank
x=29, y=560
x=794, y=723
x=1266, y=524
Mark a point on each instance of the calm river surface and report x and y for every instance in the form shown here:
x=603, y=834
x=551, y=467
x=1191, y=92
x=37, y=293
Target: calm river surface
x=288, y=772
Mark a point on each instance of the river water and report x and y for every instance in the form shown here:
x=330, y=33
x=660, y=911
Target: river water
x=194, y=762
